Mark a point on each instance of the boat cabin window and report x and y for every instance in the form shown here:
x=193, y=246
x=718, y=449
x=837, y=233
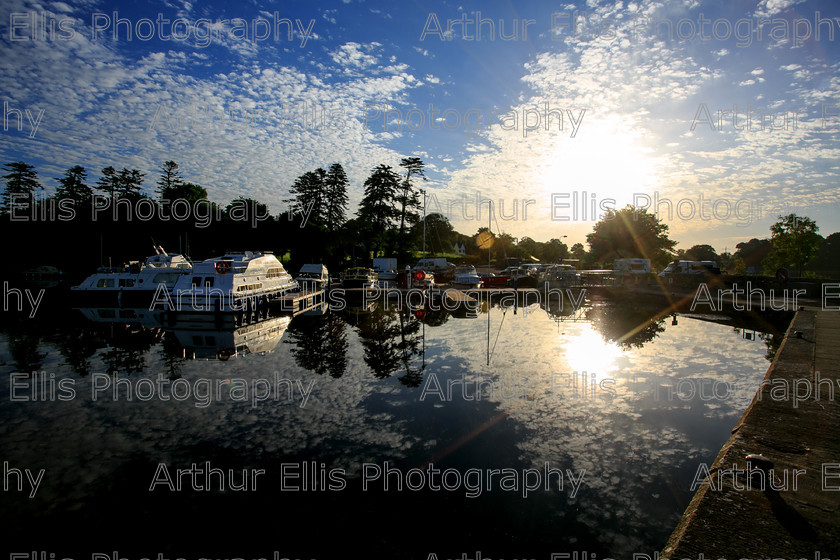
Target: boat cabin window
x=167, y=277
x=126, y=282
x=275, y=273
x=249, y=287
x=105, y=283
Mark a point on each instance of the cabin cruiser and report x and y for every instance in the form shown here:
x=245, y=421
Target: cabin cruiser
x=386, y=275
x=465, y=276
x=358, y=277
x=560, y=275
x=385, y=269
x=233, y=282
x=313, y=277
x=135, y=283
x=521, y=278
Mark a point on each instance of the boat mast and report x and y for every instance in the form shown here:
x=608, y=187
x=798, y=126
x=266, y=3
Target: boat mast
x=424, y=222
x=489, y=246
x=489, y=225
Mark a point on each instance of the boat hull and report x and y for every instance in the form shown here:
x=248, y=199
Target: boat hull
x=115, y=298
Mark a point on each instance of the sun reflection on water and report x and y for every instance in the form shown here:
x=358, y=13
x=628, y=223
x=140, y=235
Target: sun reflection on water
x=585, y=350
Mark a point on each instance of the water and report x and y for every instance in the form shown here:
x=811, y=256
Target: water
x=341, y=397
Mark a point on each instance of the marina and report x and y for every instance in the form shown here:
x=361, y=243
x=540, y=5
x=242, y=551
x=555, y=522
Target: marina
x=281, y=289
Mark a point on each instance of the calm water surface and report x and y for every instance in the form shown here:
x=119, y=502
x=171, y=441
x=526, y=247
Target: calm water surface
x=606, y=396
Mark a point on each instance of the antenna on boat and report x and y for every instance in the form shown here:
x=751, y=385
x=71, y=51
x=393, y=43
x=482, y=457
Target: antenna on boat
x=158, y=249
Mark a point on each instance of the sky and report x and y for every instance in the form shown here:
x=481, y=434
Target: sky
x=717, y=116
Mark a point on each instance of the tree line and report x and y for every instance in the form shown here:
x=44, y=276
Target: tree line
x=317, y=226
x=386, y=222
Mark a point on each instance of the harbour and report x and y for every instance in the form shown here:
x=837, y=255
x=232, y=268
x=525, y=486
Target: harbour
x=565, y=401
x=326, y=298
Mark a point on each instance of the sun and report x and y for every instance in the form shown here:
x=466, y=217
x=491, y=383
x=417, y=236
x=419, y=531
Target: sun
x=607, y=160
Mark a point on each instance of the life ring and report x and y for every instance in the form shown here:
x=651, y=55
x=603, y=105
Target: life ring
x=222, y=267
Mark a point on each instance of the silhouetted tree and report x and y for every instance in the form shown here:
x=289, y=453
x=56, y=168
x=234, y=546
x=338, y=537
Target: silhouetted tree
x=630, y=233
x=335, y=194
x=795, y=242
x=376, y=210
x=21, y=182
x=72, y=187
x=170, y=181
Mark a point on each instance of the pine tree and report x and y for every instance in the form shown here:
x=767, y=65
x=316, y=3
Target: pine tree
x=309, y=196
x=21, y=181
x=130, y=184
x=109, y=182
x=376, y=211
x=72, y=186
x=377, y=207
x=408, y=198
x=170, y=181
x=335, y=195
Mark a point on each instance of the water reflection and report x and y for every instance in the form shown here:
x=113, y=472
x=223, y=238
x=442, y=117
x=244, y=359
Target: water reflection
x=604, y=388
x=391, y=335
x=319, y=343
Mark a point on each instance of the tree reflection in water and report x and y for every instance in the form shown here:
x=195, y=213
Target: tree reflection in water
x=320, y=343
x=627, y=324
x=392, y=340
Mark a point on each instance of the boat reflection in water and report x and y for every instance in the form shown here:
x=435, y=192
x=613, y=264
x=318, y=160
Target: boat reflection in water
x=202, y=336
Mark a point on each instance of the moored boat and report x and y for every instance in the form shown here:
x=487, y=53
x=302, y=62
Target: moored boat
x=559, y=276
x=234, y=282
x=466, y=277
x=134, y=283
x=358, y=278
x=313, y=277
x=491, y=280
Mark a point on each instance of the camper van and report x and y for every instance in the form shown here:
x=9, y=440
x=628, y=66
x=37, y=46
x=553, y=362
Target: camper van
x=631, y=266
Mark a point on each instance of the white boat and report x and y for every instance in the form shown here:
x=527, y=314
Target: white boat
x=386, y=275
x=313, y=277
x=234, y=282
x=385, y=269
x=135, y=283
x=466, y=277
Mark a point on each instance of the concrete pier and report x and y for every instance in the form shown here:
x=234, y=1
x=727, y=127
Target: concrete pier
x=798, y=430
